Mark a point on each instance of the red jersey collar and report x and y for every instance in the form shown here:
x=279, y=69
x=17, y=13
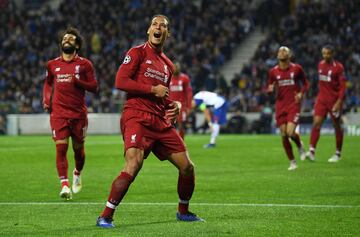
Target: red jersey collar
x=152, y=48
x=73, y=59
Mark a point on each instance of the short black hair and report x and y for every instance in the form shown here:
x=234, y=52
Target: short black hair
x=73, y=31
x=329, y=47
x=160, y=15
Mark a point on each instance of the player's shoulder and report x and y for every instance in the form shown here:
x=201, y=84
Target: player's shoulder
x=138, y=49
x=53, y=62
x=338, y=64
x=84, y=61
x=296, y=66
x=184, y=77
x=274, y=69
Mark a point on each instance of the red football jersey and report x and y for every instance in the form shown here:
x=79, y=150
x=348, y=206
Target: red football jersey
x=287, y=82
x=65, y=85
x=180, y=90
x=142, y=68
x=332, y=82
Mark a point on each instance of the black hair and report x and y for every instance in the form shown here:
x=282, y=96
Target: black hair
x=73, y=31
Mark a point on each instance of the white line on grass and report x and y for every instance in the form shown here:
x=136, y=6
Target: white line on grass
x=193, y=204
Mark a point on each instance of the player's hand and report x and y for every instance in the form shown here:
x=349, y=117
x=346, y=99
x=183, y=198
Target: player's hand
x=174, y=110
x=160, y=91
x=336, y=109
x=270, y=88
x=46, y=107
x=298, y=97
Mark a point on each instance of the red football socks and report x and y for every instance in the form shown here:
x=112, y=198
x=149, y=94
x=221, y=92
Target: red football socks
x=186, y=185
x=79, y=159
x=314, y=137
x=296, y=139
x=118, y=190
x=61, y=161
x=339, y=133
x=288, y=148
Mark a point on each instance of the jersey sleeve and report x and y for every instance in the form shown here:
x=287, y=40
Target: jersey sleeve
x=304, y=81
x=125, y=75
x=48, y=86
x=189, y=93
x=271, y=79
x=342, y=82
x=89, y=83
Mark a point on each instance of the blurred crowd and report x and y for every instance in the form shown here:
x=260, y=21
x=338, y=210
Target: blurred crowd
x=309, y=26
x=204, y=33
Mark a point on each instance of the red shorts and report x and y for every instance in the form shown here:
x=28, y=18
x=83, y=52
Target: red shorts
x=63, y=128
x=321, y=109
x=150, y=133
x=289, y=115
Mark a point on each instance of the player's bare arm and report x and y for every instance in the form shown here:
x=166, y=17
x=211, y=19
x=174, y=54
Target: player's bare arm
x=337, y=106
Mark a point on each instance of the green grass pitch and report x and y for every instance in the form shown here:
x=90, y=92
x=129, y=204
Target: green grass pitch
x=243, y=188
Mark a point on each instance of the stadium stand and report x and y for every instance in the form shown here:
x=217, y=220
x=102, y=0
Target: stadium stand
x=204, y=34
x=310, y=25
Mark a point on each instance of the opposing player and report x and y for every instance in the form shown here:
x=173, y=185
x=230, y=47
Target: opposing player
x=147, y=121
x=180, y=90
x=67, y=79
x=215, y=108
x=290, y=82
x=332, y=86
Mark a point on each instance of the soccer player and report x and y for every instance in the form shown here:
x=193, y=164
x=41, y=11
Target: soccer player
x=180, y=90
x=215, y=108
x=286, y=77
x=329, y=100
x=147, y=121
x=67, y=79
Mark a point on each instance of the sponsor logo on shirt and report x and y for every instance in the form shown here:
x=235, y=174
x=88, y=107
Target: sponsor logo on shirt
x=127, y=59
x=148, y=61
x=63, y=77
x=152, y=73
x=176, y=88
x=326, y=78
x=287, y=82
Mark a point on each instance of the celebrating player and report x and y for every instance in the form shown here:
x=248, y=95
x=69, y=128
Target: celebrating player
x=180, y=90
x=329, y=100
x=67, y=79
x=286, y=77
x=215, y=108
x=147, y=121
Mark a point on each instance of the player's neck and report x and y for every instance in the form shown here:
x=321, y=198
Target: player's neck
x=157, y=48
x=284, y=64
x=68, y=57
x=329, y=61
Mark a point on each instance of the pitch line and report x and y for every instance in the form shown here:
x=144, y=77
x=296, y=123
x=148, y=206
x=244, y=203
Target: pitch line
x=173, y=204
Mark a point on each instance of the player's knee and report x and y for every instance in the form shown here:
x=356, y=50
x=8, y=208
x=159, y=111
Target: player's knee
x=77, y=146
x=134, y=160
x=188, y=169
x=290, y=133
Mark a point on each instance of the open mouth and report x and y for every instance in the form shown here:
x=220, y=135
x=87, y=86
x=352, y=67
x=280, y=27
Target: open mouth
x=157, y=35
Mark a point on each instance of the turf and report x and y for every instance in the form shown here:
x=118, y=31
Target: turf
x=232, y=181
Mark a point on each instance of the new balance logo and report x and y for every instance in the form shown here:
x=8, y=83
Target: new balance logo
x=57, y=69
x=133, y=138
x=148, y=61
